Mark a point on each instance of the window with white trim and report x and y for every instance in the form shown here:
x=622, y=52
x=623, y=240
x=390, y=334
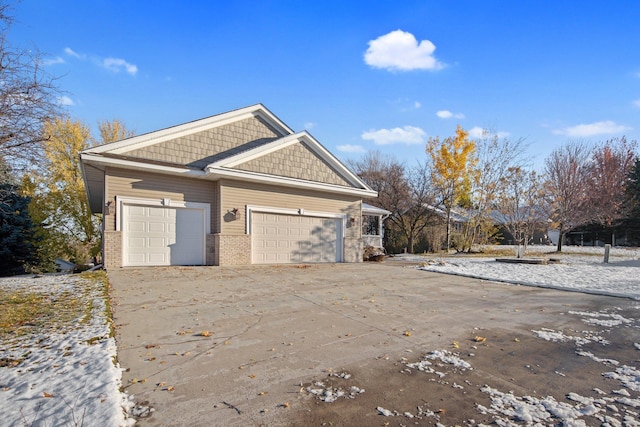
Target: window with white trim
x=370, y=225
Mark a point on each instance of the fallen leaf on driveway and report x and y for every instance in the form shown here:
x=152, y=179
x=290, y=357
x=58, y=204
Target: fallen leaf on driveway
x=45, y=394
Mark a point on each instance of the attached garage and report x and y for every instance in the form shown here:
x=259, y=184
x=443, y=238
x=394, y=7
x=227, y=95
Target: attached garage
x=284, y=238
x=156, y=235
x=235, y=188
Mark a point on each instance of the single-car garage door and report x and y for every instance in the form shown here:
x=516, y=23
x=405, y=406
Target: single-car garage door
x=161, y=235
x=278, y=238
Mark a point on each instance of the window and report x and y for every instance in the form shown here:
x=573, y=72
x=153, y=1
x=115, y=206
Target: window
x=370, y=225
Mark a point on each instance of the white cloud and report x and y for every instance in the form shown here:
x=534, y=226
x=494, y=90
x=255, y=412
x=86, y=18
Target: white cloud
x=400, y=51
x=73, y=53
x=118, y=64
x=53, y=61
x=446, y=114
x=478, y=132
x=404, y=135
x=309, y=125
x=350, y=148
x=115, y=65
x=65, y=100
x=636, y=103
x=405, y=105
x=591, y=129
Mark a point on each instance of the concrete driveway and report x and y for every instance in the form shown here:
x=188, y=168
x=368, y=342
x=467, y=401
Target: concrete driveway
x=266, y=345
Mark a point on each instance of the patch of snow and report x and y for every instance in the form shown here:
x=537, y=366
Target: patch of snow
x=556, y=336
x=65, y=376
x=597, y=359
x=331, y=394
x=449, y=358
x=535, y=411
x=629, y=376
x=385, y=412
x=586, y=274
x=594, y=318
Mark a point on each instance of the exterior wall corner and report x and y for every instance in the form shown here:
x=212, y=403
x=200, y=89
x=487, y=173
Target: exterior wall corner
x=353, y=250
x=112, y=244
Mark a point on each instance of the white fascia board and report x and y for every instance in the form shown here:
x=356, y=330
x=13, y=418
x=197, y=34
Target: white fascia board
x=325, y=154
x=189, y=128
x=368, y=209
x=220, y=172
x=281, y=143
x=91, y=158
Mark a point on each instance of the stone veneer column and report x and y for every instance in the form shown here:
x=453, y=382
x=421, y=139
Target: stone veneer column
x=112, y=244
x=232, y=249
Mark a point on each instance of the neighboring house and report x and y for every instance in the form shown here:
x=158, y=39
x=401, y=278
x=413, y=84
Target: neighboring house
x=231, y=189
x=373, y=225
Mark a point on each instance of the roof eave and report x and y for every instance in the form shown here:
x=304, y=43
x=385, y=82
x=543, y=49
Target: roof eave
x=217, y=172
x=151, y=138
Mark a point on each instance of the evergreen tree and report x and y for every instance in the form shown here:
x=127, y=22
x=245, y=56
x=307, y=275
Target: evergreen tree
x=632, y=222
x=16, y=231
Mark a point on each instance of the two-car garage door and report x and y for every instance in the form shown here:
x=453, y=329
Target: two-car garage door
x=280, y=238
x=158, y=234
x=163, y=235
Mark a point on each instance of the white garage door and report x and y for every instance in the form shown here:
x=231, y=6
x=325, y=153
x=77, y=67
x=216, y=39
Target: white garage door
x=160, y=235
x=278, y=238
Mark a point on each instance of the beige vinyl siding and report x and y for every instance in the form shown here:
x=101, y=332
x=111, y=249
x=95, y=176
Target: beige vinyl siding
x=236, y=194
x=129, y=183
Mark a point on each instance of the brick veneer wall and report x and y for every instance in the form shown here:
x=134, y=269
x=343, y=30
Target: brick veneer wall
x=210, y=250
x=112, y=244
x=232, y=249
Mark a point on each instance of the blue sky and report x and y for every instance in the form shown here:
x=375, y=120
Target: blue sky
x=358, y=75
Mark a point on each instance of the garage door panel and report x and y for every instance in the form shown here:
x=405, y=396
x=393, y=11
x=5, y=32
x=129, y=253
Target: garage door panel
x=294, y=239
x=162, y=235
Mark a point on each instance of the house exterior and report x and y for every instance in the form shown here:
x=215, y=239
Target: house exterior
x=373, y=225
x=236, y=188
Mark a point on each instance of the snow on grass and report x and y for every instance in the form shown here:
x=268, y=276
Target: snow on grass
x=578, y=271
x=61, y=371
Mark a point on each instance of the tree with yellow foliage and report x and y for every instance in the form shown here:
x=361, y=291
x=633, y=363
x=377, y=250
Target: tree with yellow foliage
x=453, y=171
x=57, y=189
x=112, y=131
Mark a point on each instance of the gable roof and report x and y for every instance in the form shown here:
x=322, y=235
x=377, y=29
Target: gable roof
x=249, y=144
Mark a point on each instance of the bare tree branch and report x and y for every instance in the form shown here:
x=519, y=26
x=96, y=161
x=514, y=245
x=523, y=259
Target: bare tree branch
x=28, y=97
